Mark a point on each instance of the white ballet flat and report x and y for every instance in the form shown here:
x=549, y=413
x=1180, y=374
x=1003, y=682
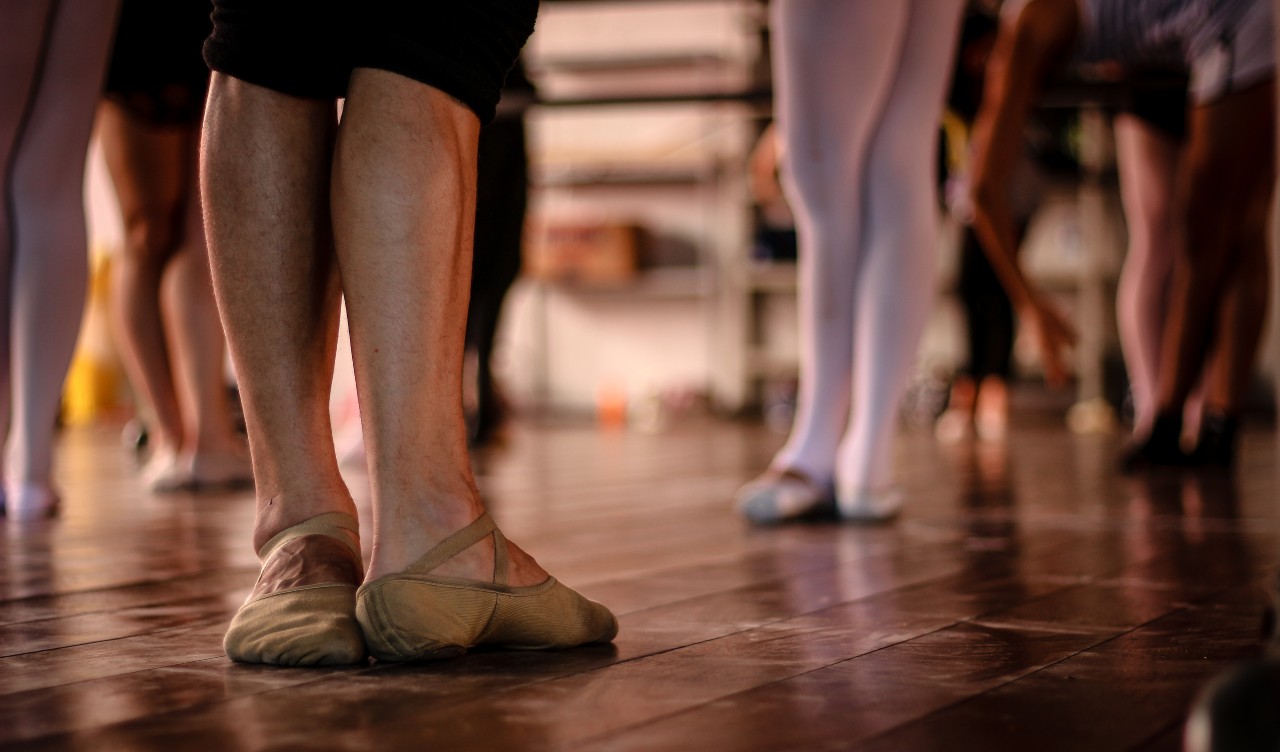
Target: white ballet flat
x=865, y=505
x=771, y=499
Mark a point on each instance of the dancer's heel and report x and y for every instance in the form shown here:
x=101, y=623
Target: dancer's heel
x=302, y=609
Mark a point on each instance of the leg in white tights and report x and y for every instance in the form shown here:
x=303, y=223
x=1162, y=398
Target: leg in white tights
x=860, y=97
x=52, y=58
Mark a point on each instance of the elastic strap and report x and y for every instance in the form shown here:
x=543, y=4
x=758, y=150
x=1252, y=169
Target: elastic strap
x=337, y=525
x=460, y=541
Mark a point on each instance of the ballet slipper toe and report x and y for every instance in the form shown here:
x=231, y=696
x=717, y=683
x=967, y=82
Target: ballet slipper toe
x=416, y=616
x=549, y=616
x=866, y=505
x=304, y=627
x=772, y=500
x=302, y=609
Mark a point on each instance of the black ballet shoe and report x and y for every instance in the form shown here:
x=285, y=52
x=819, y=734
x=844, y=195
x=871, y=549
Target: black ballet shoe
x=1216, y=445
x=1162, y=447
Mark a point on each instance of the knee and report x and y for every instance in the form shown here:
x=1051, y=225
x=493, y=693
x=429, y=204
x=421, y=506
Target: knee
x=1152, y=221
x=1210, y=231
x=901, y=157
x=819, y=184
x=152, y=236
x=900, y=191
x=1255, y=255
x=1255, y=228
x=51, y=195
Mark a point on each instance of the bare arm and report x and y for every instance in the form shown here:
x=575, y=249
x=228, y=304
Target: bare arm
x=763, y=167
x=1027, y=51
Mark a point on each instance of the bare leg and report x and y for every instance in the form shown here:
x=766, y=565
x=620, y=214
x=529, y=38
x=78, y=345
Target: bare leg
x=404, y=190
x=1238, y=336
x=1228, y=160
x=265, y=167
x=211, y=451
x=164, y=311
x=1148, y=167
x=1244, y=310
x=403, y=198
x=265, y=174
x=991, y=414
x=957, y=422
x=148, y=168
x=403, y=214
x=49, y=256
x=1225, y=177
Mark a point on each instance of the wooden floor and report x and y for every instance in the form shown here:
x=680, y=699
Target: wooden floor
x=1028, y=599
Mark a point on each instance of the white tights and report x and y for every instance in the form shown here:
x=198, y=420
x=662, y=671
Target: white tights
x=859, y=98
x=52, y=57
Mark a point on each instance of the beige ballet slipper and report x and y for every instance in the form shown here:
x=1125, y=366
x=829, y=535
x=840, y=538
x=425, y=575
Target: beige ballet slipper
x=302, y=609
x=415, y=615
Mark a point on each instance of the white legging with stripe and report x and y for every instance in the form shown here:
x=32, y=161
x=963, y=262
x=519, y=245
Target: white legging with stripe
x=859, y=91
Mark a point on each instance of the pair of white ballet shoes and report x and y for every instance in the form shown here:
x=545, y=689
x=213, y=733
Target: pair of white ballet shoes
x=774, y=499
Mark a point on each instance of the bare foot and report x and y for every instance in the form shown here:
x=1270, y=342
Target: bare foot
x=991, y=415
x=956, y=424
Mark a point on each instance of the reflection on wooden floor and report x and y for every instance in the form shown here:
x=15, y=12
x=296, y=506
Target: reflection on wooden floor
x=1029, y=599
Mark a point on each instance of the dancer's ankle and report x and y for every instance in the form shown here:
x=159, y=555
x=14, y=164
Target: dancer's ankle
x=283, y=510
x=408, y=524
x=1217, y=438
x=1161, y=446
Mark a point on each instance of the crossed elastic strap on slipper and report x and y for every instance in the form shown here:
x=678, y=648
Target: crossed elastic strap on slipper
x=302, y=609
x=415, y=615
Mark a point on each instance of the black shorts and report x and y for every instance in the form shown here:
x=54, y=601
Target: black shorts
x=1161, y=102
x=156, y=72
x=308, y=48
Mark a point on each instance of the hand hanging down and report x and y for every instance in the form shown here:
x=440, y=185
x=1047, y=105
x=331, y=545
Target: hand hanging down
x=1039, y=42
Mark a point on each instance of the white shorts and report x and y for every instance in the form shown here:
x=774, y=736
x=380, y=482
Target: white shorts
x=1245, y=56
